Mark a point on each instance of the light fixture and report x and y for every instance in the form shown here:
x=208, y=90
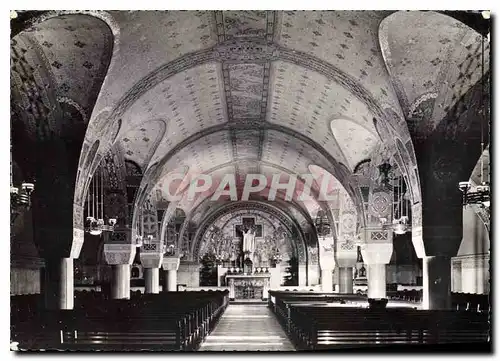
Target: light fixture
x=169, y=250
x=20, y=199
x=401, y=226
x=384, y=170
x=95, y=223
x=401, y=219
x=276, y=257
x=400, y=210
x=480, y=194
x=486, y=14
x=138, y=240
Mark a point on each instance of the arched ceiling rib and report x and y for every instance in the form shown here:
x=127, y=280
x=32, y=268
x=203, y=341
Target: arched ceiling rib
x=193, y=91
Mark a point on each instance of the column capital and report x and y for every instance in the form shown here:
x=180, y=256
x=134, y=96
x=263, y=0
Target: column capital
x=151, y=255
x=117, y=254
x=377, y=253
x=171, y=263
x=347, y=251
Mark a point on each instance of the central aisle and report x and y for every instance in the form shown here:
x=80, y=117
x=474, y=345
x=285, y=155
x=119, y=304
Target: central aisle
x=247, y=328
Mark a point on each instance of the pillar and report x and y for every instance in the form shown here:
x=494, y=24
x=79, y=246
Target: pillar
x=436, y=282
x=377, y=253
x=170, y=265
x=58, y=284
x=120, y=287
x=346, y=279
x=170, y=280
x=302, y=275
x=327, y=280
x=376, y=274
x=456, y=281
x=152, y=280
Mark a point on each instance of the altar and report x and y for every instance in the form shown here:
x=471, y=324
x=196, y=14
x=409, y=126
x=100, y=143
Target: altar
x=248, y=286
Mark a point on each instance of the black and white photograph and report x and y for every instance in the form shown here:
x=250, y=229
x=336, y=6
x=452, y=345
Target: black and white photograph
x=250, y=180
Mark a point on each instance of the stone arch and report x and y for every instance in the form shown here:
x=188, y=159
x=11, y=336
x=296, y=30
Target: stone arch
x=290, y=225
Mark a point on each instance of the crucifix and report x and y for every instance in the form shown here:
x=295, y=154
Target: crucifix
x=247, y=231
x=246, y=224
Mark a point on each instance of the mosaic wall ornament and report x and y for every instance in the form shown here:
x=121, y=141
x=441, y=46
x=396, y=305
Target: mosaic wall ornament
x=380, y=205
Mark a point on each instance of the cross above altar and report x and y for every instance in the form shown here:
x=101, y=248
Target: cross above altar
x=247, y=223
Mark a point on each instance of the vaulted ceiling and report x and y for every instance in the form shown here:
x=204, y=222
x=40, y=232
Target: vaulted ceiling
x=258, y=91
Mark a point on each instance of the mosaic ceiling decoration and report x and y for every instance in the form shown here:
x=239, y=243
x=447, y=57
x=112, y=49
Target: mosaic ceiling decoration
x=258, y=89
x=76, y=50
x=437, y=65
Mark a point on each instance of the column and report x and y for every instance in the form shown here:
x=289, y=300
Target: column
x=170, y=281
x=346, y=279
x=376, y=274
x=120, y=286
x=120, y=257
x=58, y=284
x=327, y=280
x=302, y=275
x=456, y=285
x=152, y=280
x=377, y=251
x=170, y=265
x=436, y=282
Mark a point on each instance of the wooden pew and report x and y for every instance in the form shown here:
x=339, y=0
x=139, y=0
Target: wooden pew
x=313, y=324
x=168, y=321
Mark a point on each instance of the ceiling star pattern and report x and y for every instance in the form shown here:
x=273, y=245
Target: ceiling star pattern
x=431, y=66
x=76, y=50
x=254, y=90
x=346, y=39
x=149, y=39
x=139, y=144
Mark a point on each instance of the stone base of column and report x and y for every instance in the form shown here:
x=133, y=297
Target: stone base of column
x=58, y=284
x=376, y=281
x=436, y=283
x=170, y=281
x=120, y=287
x=152, y=280
x=346, y=280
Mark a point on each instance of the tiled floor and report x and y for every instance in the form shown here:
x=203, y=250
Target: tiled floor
x=247, y=328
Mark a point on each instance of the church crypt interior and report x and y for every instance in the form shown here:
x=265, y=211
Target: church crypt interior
x=250, y=180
